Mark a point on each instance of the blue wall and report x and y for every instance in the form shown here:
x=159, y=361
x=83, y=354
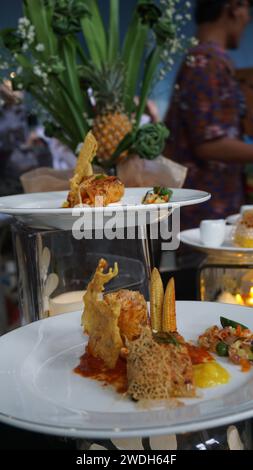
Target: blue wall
x=10, y=10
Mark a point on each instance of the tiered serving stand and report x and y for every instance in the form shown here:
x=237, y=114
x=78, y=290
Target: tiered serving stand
x=51, y=263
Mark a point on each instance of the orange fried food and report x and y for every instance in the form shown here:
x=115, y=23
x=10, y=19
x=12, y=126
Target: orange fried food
x=97, y=190
x=100, y=318
x=87, y=188
x=109, y=319
x=105, y=341
x=133, y=312
x=101, y=190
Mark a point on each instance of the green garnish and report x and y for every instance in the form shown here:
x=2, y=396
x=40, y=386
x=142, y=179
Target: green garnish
x=222, y=349
x=166, y=338
x=226, y=322
x=100, y=177
x=161, y=191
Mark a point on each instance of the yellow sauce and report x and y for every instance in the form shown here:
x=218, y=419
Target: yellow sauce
x=210, y=374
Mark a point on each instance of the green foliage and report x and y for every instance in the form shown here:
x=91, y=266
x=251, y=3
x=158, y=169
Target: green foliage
x=67, y=16
x=149, y=13
x=150, y=140
x=48, y=59
x=10, y=39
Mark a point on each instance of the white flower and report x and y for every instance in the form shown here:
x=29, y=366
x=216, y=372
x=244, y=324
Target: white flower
x=37, y=71
x=24, y=21
x=26, y=30
x=40, y=47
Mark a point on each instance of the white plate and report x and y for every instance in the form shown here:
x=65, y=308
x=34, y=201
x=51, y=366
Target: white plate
x=192, y=238
x=40, y=392
x=44, y=209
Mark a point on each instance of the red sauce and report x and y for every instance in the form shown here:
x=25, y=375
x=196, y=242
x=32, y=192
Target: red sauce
x=198, y=355
x=95, y=368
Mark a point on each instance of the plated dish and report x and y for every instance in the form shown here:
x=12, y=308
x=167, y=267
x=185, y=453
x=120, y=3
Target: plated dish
x=92, y=194
x=88, y=189
x=232, y=340
x=192, y=238
x=100, y=190
x=45, y=209
x=41, y=391
x=243, y=234
x=146, y=358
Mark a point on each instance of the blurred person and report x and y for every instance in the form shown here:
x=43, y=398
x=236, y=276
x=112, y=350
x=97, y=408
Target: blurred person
x=207, y=107
x=19, y=151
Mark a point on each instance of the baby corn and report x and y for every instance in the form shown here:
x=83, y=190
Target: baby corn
x=156, y=300
x=169, y=322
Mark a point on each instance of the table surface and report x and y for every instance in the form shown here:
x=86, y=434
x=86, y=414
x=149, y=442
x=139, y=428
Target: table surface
x=12, y=438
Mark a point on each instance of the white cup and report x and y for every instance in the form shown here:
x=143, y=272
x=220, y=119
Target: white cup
x=246, y=208
x=212, y=232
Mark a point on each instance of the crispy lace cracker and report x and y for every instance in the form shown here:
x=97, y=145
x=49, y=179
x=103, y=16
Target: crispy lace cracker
x=83, y=167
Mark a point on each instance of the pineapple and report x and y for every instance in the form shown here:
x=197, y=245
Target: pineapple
x=111, y=123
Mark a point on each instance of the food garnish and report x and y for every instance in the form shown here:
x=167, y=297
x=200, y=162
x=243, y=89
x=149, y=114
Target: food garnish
x=210, y=374
x=87, y=188
x=158, y=363
x=166, y=338
x=109, y=319
x=222, y=349
x=83, y=168
x=169, y=322
x=157, y=195
x=146, y=361
x=156, y=300
x=234, y=341
x=226, y=322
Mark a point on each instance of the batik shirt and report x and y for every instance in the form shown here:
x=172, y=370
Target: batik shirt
x=206, y=105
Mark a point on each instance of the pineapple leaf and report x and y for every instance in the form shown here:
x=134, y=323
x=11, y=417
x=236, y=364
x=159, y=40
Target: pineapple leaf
x=132, y=54
x=94, y=34
x=125, y=144
x=133, y=66
x=81, y=53
x=58, y=115
x=113, y=31
x=131, y=33
x=150, y=68
x=82, y=126
x=68, y=53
